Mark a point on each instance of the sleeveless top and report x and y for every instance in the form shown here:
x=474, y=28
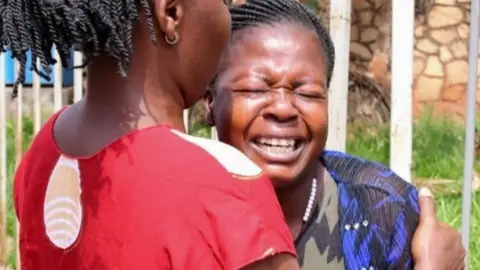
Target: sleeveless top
x=365, y=219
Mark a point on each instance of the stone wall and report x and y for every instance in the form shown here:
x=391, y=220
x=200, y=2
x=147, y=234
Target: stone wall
x=440, y=57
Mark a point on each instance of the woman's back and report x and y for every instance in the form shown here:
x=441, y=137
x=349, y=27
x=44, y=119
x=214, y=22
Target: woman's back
x=134, y=205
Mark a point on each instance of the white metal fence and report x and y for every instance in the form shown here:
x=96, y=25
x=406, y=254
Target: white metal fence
x=401, y=123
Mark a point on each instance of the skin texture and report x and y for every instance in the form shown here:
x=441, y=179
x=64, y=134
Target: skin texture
x=275, y=87
x=272, y=83
x=162, y=81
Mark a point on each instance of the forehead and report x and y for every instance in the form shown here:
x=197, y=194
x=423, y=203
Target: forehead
x=281, y=44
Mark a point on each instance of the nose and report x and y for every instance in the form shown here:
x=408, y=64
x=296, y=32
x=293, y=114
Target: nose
x=281, y=108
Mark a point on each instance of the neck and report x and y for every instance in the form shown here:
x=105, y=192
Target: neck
x=293, y=199
x=146, y=97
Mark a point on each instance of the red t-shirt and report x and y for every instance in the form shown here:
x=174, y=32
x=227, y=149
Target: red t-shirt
x=153, y=199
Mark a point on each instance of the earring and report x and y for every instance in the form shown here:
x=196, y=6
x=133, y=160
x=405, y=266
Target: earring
x=173, y=41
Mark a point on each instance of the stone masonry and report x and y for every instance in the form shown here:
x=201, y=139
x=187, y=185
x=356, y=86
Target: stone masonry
x=440, y=57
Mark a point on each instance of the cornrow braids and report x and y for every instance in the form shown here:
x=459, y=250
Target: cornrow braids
x=259, y=12
x=91, y=26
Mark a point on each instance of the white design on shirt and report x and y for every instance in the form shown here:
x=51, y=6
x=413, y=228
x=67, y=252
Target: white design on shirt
x=234, y=161
x=62, y=208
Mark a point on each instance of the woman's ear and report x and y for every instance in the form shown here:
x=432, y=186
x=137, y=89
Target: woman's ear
x=168, y=14
x=208, y=105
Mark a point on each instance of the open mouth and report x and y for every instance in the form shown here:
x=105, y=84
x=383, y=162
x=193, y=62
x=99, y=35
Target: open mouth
x=279, y=149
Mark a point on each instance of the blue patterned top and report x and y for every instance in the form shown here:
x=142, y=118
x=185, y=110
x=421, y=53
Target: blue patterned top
x=367, y=222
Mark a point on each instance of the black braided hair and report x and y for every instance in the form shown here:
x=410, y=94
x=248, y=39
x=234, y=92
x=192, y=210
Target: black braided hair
x=91, y=26
x=255, y=13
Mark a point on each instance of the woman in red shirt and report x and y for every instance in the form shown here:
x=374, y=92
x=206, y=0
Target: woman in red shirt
x=96, y=189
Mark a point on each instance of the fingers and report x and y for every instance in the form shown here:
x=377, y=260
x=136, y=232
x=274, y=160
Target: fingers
x=461, y=264
x=463, y=250
x=427, y=205
x=458, y=248
x=448, y=231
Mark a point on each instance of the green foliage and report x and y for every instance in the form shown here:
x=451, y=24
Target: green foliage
x=311, y=4
x=438, y=148
x=26, y=139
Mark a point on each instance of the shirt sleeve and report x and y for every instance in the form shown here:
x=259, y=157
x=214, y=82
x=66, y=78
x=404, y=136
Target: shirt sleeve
x=405, y=224
x=379, y=213
x=235, y=225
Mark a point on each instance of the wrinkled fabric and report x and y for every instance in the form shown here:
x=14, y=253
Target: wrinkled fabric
x=378, y=213
x=143, y=203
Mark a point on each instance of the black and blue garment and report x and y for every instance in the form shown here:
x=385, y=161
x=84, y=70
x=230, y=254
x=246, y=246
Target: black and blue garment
x=365, y=219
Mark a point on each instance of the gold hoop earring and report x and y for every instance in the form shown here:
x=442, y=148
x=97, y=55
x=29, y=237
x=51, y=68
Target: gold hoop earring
x=173, y=41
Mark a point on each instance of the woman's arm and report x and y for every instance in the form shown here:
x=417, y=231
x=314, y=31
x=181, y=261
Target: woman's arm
x=418, y=240
x=431, y=245
x=405, y=224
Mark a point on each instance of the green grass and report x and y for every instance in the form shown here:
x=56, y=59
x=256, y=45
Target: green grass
x=438, y=147
x=27, y=137
x=438, y=153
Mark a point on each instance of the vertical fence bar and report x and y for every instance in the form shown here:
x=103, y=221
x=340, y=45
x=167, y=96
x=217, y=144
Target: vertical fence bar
x=3, y=165
x=36, y=84
x=402, y=77
x=213, y=133
x=470, y=127
x=58, y=83
x=186, y=121
x=18, y=151
x=18, y=120
x=37, y=118
x=77, y=77
x=340, y=22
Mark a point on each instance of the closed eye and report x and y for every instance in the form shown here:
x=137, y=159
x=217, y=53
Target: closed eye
x=251, y=93
x=310, y=95
x=309, y=89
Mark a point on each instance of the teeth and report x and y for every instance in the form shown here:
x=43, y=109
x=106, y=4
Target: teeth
x=277, y=149
x=275, y=142
x=276, y=145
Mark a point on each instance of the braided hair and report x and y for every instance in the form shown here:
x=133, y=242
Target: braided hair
x=254, y=13
x=91, y=26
